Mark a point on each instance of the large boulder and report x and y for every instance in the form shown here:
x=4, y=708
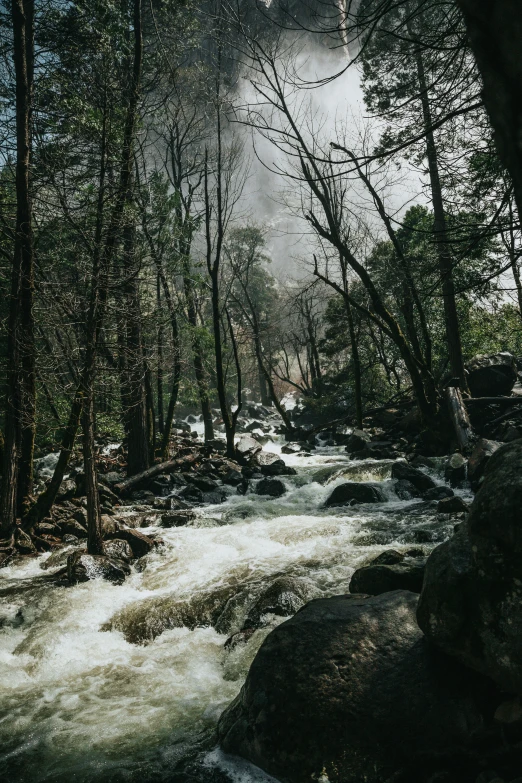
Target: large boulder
x=82, y=567
x=349, y=690
x=482, y=451
x=471, y=602
x=271, y=464
x=377, y=578
x=493, y=375
x=139, y=543
x=404, y=472
x=271, y=486
x=357, y=441
x=354, y=492
x=246, y=448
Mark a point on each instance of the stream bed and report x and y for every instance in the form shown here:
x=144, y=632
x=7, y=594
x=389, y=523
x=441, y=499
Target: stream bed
x=92, y=689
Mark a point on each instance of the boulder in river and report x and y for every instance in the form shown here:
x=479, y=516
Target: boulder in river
x=271, y=464
x=482, y=451
x=350, y=690
x=401, y=470
x=271, y=486
x=246, y=448
x=354, y=492
x=471, y=602
x=438, y=493
x=357, y=441
x=454, y=505
x=82, y=567
x=284, y=597
x=177, y=518
x=493, y=375
x=140, y=544
x=378, y=577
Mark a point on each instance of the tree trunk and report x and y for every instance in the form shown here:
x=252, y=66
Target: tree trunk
x=495, y=35
x=20, y=402
x=440, y=230
x=159, y=372
x=356, y=366
x=199, y=367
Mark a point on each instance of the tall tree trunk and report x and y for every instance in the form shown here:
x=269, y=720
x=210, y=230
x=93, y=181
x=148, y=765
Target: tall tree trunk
x=159, y=371
x=199, y=367
x=136, y=412
x=451, y=318
x=356, y=361
x=99, y=289
x=20, y=402
x=495, y=35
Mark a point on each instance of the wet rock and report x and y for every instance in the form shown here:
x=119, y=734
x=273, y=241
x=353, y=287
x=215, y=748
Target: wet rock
x=357, y=441
x=438, y=493
x=388, y=557
x=67, y=489
x=192, y=493
x=284, y=597
x=272, y=487
x=113, y=477
x=217, y=445
x=204, y=483
x=246, y=448
x=118, y=549
x=482, y=452
x=454, y=505
x=82, y=567
x=47, y=529
x=354, y=492
x=23, y=542
x=177, y=518
x=240, y=637
x=72, y=527
x=456, y=470
x=68, y=539
x=140, y=544
x=348, y=689
x=271, y=465
x=405, y=490
x=109, y=525
x=233, y=477
x=377, y=578
x=471, y=603
x=291, y=448
x=213, y=498
x=421, y=482
x=492, y=376
x=378, y=450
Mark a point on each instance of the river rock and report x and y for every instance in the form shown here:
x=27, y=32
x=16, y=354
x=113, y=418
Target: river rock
x=284, y=597
x=401, y=470
x=271, y=486
x=349, y=690
x=118, y=549
x=82, y=567
x=24, y=542
x=438, y=493
x=233, y=477
x=492, y=376
x=246, y=448
x=482, y=451
x=357, y=441
x=354, y=492
x=456, y=469
x=177, y=518
x=74, y=528
x=271, y=464
x=405, y=490
x=471, y=603
x=140, y=544
x=377, y=578
x=454, y=505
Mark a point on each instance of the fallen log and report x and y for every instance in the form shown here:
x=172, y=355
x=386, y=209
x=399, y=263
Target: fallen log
x=162, y=467
x=459, y=418
x=494, y=400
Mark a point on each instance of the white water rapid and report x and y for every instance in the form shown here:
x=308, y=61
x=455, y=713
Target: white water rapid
x=93, y=689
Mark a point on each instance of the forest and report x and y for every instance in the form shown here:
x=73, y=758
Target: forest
x=260, y=391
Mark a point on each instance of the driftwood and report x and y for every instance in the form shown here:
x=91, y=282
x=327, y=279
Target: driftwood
x=459, y=418
x=162, y=467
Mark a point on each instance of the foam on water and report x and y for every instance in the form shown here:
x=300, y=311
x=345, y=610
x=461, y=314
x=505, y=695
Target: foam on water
x=80, y=702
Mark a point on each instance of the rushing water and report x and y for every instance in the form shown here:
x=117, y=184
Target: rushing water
x=91, y=690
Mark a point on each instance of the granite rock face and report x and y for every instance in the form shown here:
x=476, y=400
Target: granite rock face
x=350, y=688
x=471, y=602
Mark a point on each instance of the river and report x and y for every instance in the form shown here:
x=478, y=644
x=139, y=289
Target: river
x=83, y=699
